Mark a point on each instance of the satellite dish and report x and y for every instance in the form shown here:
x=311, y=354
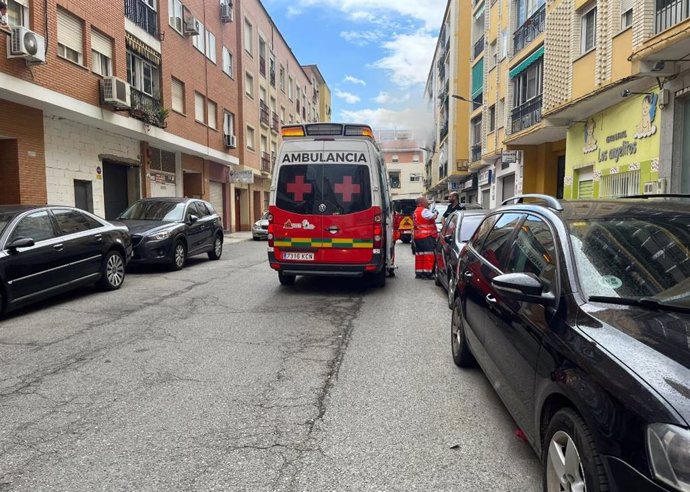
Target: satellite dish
x=30, y=43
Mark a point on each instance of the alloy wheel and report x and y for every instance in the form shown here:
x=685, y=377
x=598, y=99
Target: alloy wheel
x=218, y=247
x=179, y=255
x=115, y=270
x=456, y=331
x=564, y=471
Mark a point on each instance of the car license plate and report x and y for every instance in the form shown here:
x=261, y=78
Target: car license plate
x=299, y=256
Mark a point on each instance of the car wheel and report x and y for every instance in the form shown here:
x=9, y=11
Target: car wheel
x=462, y=356
x=113, y=271
x=570, y=457
x=179, y=255
x=451, y=292
x=217, y=250
x=378, y=279
x=286, y=279
x=255, y=238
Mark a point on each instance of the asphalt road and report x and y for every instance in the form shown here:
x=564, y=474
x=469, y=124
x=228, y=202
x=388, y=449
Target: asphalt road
x=218, y=378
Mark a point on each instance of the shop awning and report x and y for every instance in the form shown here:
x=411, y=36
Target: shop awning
x=524, y=64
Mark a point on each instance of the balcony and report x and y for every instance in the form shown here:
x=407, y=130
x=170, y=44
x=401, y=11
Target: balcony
x=529, y=31
x=264, y=112
x=275, y=123
x=476, y=152
x=265, y=163
x=272, y=77
x=142, y=15
x=670, y=12
x=443, y=132
x=478, y=48
x=147, y=109
x=262, y=66
x=527, y=114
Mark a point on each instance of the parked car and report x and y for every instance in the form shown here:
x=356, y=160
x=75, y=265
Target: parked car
x=579, y=315
x=168, y=230
x=260, y=228
x=457, y=230
x=46, y=250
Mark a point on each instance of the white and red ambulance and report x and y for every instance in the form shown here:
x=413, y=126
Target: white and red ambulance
x=330, y=207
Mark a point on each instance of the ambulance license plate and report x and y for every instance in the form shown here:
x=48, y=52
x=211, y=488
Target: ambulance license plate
x=299, y=256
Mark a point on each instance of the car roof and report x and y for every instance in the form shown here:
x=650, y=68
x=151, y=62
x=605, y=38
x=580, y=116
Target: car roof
x=17, y=209
x=172, y=199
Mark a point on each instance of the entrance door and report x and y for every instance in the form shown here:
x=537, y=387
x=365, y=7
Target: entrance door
x=560, y=176
x=114, y=189
x=83, y=195
x=508, y=187
x=238, y=211
x=486, y=198
x=685, y=163
x=216, y=198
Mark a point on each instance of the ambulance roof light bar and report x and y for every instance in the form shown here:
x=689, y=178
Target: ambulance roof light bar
x=327, y=129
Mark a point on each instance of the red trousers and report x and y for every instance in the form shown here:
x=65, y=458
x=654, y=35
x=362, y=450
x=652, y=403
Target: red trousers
x=424, y=255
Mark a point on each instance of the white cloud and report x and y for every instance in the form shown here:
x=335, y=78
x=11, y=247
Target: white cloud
x=387, y=98
x=382, y=98
x=348, y=97
x=409, y=58
x=354, y=80
x=416, y=119
x=361, y=38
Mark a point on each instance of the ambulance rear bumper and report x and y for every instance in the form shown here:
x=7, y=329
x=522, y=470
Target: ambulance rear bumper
x=326, y=269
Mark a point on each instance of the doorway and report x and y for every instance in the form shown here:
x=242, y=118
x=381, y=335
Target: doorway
x=83, y=195
x=115, y=189
x=238, y=211
x=560, y=176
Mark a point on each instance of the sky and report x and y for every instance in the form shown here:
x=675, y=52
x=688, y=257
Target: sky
x=374, y=54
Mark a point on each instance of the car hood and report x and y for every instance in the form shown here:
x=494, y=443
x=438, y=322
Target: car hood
x=654, y=344
x=263, y=222
x=143, y=227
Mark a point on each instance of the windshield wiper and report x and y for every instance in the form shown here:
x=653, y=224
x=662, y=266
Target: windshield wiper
x=648, y=302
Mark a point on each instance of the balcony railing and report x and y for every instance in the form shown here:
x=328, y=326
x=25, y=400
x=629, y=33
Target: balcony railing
x=265, y=162
x=272, y=78
x=275, y=123
x=142, y=15
x=529, y=31
x=478, y=47
x=671, y=12
x=147, y=108
x=264, y=113
x=527, y=114
x=476, y=152
x=262, y=66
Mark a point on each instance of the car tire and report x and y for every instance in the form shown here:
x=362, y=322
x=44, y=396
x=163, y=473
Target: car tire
x=378, y=279
x=217, y=250
x=451, y=292
x=112, y=271
x=286, y=279
x=570, y=455
x=462, y=355
x=179, y=255
x=255, y=238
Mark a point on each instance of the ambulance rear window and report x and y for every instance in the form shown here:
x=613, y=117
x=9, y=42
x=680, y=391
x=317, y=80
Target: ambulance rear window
x=340, y=188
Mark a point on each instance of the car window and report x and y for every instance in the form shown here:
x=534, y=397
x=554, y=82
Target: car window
x=72, y=221
x=192, y=210
x=37, y=226
x=6, y=218
x=468, y=226
x=484, y=229
x=534, y=251
x=497, y=242
x=202, y=209
x=154, y=210
x=210, y=208
x=449, y=227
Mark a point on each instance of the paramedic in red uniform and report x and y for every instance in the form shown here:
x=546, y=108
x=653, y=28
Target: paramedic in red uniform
x=424, y=239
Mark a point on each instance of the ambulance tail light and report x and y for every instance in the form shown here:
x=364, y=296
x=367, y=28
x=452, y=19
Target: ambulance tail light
x=270, y=230
x=378, y=228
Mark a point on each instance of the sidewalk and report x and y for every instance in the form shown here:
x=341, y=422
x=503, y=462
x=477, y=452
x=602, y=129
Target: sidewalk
x=237, y=237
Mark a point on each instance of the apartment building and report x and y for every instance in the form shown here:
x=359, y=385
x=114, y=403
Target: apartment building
x=102, y=103
x=447, y=156
x=404, y=164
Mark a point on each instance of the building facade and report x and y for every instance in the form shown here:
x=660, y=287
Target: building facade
x=404, y=164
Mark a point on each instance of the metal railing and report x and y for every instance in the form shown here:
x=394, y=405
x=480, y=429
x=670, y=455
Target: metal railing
x=147, y=108
x=478, y=47
x=671, y=12
x=476, y=152
x=265, y=162
x=275, y=123
x=530, y=29
x=262, y=66
x=142, y=15
x=443, y=132
x=263, y=107
x=526, y=114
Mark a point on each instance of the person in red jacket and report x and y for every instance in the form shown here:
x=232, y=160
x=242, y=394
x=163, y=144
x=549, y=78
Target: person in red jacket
x=424, y=234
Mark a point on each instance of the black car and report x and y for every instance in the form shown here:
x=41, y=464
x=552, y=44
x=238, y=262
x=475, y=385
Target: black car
x=455, y=233
x=45, y=250
x=579, y=315
x=168, y=230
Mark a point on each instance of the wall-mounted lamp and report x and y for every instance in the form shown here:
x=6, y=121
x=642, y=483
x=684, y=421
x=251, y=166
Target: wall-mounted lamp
x=628, y=92
x=474, y=103
x=663, y=98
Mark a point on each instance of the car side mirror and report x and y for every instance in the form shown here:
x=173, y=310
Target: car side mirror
x=192, y=219
x=523, y=287
x=22, y=242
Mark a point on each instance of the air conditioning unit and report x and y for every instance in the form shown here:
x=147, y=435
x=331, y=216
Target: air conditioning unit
x=226, y=12
x=26, y=44
x=230, y=141
x=116, y=92
x=191, y=24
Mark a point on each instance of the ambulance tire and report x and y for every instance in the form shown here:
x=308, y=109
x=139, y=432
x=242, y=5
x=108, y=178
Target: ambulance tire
x=406, y=239
x=378, y=279
x=286, y=279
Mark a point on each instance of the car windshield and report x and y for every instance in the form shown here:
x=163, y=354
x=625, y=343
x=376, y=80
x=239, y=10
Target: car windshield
x=155, y=210
x=5, y=218
x=470, y=223
x=634, y=258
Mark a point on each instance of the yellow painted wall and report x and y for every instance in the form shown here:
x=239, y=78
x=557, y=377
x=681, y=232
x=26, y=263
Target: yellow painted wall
x=581, y=3
x=460, y=84
x=583, y=75
x=620, y=50
x=540, y=169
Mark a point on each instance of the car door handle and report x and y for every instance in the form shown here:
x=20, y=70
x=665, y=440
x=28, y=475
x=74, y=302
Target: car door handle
x=468, y=274
x=491, y=299
x=58, y=247
x=98, y=237
x=333, y=229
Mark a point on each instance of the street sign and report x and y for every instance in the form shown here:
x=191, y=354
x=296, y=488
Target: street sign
x=246, y=177
x=509, y=156
x=452, y=185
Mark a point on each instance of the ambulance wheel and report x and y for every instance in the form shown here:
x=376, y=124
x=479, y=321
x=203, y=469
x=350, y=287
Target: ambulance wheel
x=378, y=279
x=406, y=239
x=286, y=279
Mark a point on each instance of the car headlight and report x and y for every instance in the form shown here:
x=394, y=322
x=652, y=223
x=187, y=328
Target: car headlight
x=160, y=235
x=257, y=226
x=669, y=452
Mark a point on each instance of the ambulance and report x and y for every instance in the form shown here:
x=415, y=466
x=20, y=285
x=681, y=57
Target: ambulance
x=330, y=209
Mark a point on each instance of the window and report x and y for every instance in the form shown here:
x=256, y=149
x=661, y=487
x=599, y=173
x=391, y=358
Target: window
x=36, y=226
x=528, y=84
x=415, y=178
x=533, y=251
x=72, y=221
x=394, y=179
x=500, y=113
x=250, y=137
x=175, y=10
x=162, y=160
x=199, y=42
x=395, y=158
x=281, y=78
x=70, y=41
x=227, y=61
x=142, y=75
x=211, y=114
x=248, y=37
x=493, y=54
x=589, y=26
x=101, y=54
x=290, y=83
x=228, y=123
x=497, y=243
x=282, y=115
x=626, y=13
x=199, y=104
x=503, y=48
x=249, y=84
x=210, y=46
x=492, y=118
x=177, y=99
x=17, y=12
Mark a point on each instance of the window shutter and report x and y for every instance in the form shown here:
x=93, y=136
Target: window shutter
x=626, y=5
x=199, y=107
x=102, y=44
x=177, y=96
x=70, y=31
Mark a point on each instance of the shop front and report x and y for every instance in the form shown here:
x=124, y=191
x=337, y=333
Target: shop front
x=615, y=152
